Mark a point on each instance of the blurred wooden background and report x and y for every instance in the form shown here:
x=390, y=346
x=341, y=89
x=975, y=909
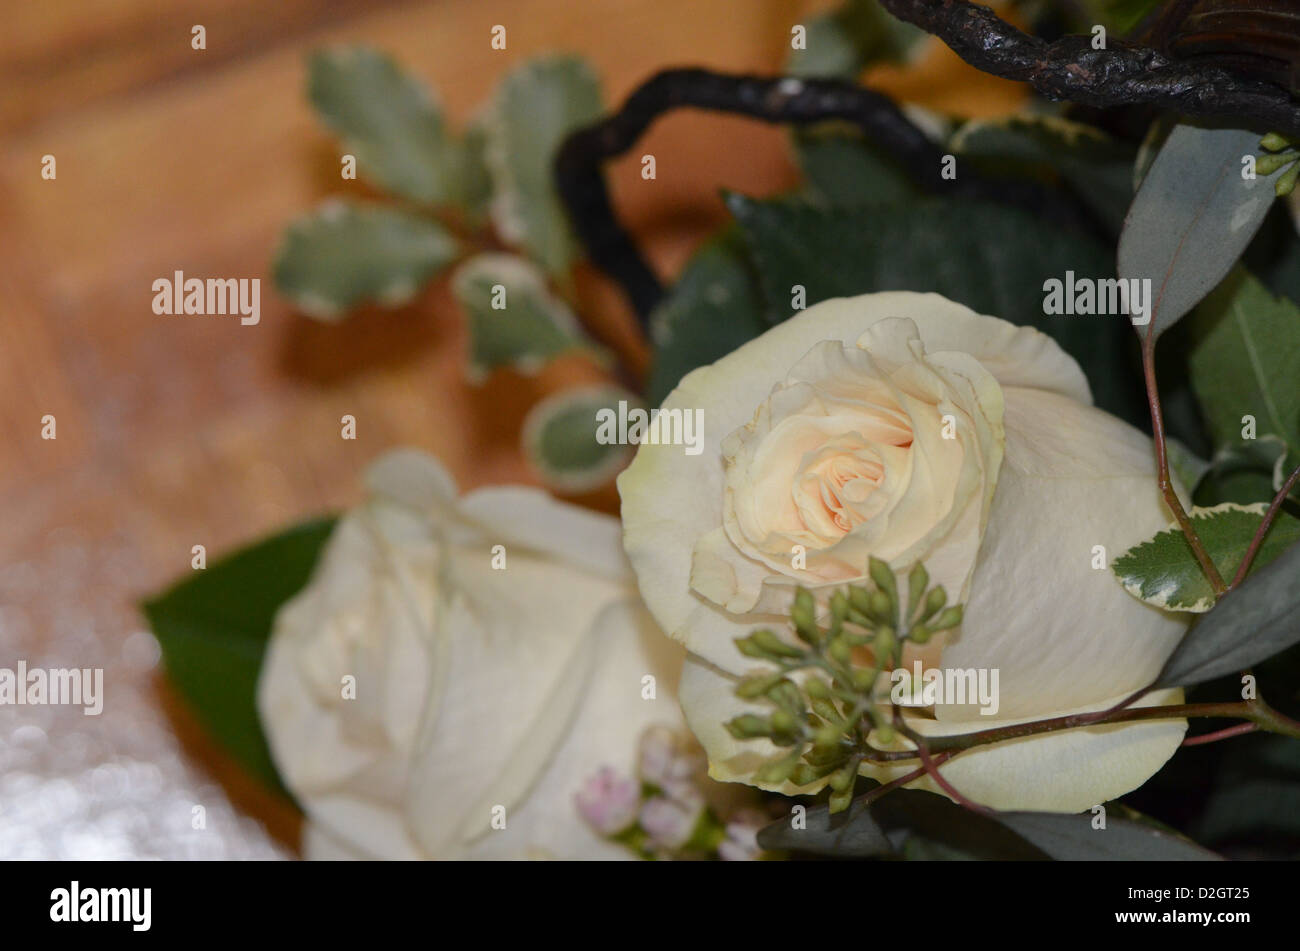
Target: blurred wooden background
x=181, y=431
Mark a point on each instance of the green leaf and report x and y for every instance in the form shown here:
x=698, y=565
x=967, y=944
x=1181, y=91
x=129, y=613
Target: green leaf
x=714, y=307
x=840, y=44
x=565, y=442
x=344, y=254
x=1164, y=572
x=1097, y=168
x=1249, y=624
x=213, y=629
x=1188, y=468
x=537, y=105
x=1251, y=471
x=1245, y=361
x=514, y=319
x=387, y=118
x=1192, y=219
x=992, y=258
x=845, y=170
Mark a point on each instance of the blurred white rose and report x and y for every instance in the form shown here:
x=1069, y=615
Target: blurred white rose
x=476, y=687
x=907, y=427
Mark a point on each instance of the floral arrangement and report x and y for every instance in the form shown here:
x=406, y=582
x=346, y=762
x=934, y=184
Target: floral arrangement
x=926, y=549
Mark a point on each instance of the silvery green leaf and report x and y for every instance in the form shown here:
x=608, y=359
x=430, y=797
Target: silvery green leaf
x=514, y=319
x=1192, y=218
x=1250, y=624
x=387, y=118
x=472, y=188
x=840, y=44
x=562, y=438
x=536, y=106
x=344, y=254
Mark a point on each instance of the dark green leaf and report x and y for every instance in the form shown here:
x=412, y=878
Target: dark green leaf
x=992, y=258
x=344, y=254
x=1245, y=361
x=1164, y=572
x=213, y=629
x=845, y=170
x=714, y=307
x=386, y=118
x=1097, y=168
x=1073, y=838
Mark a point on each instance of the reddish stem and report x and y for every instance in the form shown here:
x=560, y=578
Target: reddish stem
x=1260, y=532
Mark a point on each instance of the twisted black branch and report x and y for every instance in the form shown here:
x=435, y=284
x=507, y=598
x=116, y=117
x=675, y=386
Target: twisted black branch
x=790, y=101
x=1122, y=75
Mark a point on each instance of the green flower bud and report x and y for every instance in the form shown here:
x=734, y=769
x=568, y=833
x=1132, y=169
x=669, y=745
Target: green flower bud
x=1286, y=184
x=948, y=619
x=747, y=726
x=825, y=709
x=883, y=576
x=1268, y=164
x=817, y=688
x=783, y=722
x=864, y=678
x=777, y=770
x=757, y=685
x=919, y=634
x=885, y=734
x=843, y=779
x=789, y=697
x=841, y=800
x=771, y=646
x=917, y=580
x=840, y=650
x=828, y=736
x=884, y=644
x=804, y=615
x=935, y=600
x=882, y=609
x=860, y=600
x=1274, y=142
x=803, y=774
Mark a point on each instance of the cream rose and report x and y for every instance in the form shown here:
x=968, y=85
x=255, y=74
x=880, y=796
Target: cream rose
x=907, y=427
x=475, y=687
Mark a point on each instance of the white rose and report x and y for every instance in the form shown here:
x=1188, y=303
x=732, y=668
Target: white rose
x=907, y=427
x=475, y=687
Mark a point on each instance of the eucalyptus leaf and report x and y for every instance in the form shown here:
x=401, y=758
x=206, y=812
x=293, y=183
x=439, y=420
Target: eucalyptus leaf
x=993, y=258
x=1073, y=838
x=1192, y=218
x=387, y=118
x=1163, y=571
x=1245, y=362
x=536, y=106
x=563, y=437
x=344, y=254
x=514, y=319
x=1188, y=468
x=213, y=628
x=1249, y=624
x=714, y=307
x=920, y=824
x=472, y=190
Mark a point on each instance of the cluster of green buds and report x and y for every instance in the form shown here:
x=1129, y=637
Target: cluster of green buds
x=1281, y=153
x=823, y=693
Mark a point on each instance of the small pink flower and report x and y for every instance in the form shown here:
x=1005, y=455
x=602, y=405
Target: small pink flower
x=669, y=823
x=609, y=801
x=669, y=760
x=741, y=843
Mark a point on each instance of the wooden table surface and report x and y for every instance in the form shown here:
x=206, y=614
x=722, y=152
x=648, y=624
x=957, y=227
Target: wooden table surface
x=173, y=432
